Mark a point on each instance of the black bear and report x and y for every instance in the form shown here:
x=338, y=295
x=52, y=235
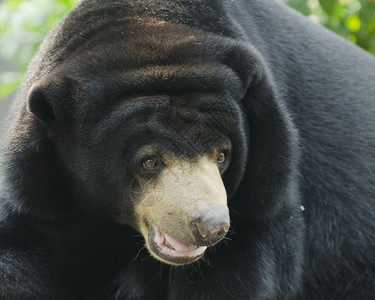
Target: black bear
x=190, y=150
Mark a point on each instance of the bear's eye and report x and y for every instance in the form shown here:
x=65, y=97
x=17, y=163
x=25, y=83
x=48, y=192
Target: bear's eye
x=151, y=163
x=221, y=158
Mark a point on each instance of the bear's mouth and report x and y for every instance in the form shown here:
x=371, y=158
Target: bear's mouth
x=171, y=250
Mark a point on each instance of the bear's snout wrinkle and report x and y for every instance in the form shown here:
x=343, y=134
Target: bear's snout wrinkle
x=212, y=225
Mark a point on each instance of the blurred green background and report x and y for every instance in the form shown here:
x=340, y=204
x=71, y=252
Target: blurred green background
x=24, y=23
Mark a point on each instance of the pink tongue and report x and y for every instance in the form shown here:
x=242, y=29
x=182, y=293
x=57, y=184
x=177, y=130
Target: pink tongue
x=178, y=245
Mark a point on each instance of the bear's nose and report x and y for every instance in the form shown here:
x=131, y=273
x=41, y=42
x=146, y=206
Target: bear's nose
x=212, y=225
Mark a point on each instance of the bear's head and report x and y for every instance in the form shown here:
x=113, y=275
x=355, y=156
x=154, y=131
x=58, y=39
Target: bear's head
x=145, y=126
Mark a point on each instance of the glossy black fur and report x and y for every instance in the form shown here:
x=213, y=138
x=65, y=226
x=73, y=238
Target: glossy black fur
x=296, y=101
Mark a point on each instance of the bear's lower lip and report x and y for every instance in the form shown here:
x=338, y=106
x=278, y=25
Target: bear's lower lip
x=172, y=250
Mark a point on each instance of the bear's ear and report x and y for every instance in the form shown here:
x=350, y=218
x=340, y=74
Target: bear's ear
x=245, y=61
x=41, y=104
x=48, y=101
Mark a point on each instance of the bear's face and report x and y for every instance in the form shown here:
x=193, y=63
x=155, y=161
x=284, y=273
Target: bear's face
x=156, y=146
x=159, y=169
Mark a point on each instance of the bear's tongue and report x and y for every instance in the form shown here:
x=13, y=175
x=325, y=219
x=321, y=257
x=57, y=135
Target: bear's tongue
x=165, y=240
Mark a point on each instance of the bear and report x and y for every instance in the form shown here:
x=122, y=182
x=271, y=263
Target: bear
x=190, y=150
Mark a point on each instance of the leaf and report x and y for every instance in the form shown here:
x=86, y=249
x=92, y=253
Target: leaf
x=12, y=3
x=327, y=5
x=9, y=82
x=7, y=88
x=353, y=23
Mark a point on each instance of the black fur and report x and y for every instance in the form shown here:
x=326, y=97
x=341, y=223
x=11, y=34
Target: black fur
x=296, y=101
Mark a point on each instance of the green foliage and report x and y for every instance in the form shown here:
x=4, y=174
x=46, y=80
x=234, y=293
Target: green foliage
x=352, y=19
x=24, y=23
